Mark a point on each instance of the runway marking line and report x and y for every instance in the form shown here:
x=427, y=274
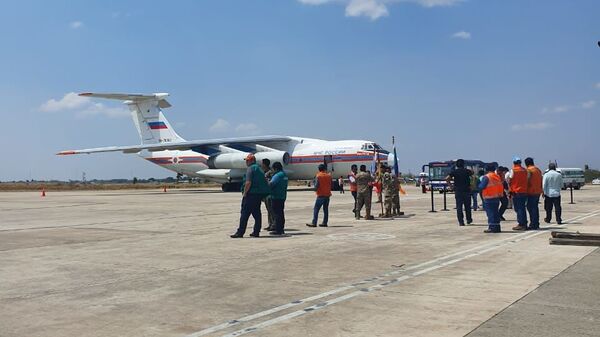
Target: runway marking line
x=479, y=250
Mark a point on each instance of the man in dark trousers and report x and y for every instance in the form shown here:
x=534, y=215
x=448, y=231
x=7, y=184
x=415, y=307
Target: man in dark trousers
x=323, y=191
x=462, y=191
x=517, y=181
x=279, y=185
x=491, y=190
x=501, y=171
x=255, y=188
x=534, y=191
x=551, y=184
x=266, y=167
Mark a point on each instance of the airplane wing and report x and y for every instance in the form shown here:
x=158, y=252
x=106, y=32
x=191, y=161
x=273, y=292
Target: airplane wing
x=181, y=146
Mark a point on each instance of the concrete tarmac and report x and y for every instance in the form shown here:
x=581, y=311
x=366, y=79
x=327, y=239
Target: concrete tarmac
x=148, y=263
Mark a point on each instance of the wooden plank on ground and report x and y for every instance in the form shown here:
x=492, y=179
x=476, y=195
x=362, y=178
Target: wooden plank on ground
x=574, y=242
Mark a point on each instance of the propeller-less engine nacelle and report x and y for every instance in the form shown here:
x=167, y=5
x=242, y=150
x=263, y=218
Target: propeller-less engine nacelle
x=238, y=160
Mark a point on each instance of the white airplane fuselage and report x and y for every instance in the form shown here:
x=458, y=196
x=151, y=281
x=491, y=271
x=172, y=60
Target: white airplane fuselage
x=222, y=160
x=305, y=156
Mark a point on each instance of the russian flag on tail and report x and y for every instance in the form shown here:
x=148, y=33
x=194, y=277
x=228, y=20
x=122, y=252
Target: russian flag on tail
x=157, y=125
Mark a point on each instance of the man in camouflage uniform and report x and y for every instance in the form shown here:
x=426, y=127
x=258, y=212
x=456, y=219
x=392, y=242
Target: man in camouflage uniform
x=387, y=182
x=364, y=181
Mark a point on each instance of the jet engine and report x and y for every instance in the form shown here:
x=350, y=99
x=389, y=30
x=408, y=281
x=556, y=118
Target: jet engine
x=237, y=160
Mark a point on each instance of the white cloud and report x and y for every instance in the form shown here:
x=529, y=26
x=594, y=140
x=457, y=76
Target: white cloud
x=597, y=85
x=556, y=110
x=101, y=109
x=370, y=8
x=247, y=128
x=588, y=105
x=68, y=102
x=561, y=108
x=82, y=107
x=314, y=2
x=76, y=24
x=435, y=3
x=461, y=35
x=531, y=126
x=375, y=9
x=220, y=126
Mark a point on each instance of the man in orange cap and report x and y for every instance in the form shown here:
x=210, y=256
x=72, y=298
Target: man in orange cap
x=255, y=188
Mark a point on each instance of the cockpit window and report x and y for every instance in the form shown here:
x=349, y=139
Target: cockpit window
x=368, y=147
x=373, y=147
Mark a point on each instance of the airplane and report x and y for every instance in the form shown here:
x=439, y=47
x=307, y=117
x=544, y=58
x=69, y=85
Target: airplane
x=222, y=160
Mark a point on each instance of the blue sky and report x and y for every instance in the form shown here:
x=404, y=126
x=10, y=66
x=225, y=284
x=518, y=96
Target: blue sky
x=475, y=79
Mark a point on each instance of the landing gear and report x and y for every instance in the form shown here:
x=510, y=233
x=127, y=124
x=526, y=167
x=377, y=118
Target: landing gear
x=231, y=187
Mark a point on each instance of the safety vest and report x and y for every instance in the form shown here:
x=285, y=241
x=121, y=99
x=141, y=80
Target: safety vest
x=353, y=187
x=534, y=183
x=518, y=182
x=259, y=183
x=324, y=189
x=494, y=188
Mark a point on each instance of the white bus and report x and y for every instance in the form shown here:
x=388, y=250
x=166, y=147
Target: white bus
x=572, y=176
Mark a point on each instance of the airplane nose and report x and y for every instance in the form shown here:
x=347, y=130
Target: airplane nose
x=390, y=159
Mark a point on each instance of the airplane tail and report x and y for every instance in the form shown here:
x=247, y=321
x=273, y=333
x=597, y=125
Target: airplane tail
x=147, y=115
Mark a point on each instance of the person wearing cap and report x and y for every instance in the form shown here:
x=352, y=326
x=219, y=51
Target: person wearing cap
x=491, y=190
x=255, y=188
x=534, y=190
x=552, y=184
x=278, y=185
x=323, y=191
x=517, y=182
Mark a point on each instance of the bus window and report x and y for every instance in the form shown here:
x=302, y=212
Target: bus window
x=439, y=173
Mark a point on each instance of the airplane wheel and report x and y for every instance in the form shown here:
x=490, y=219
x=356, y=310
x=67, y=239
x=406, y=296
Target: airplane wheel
x=231, y=187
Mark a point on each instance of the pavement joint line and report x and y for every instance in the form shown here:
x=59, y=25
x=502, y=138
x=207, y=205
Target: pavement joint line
x=494, y=245
x=385, y=284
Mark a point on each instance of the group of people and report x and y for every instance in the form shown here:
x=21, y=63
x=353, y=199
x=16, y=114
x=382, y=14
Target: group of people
x=263, y=184
x=362, y=184
x=498, y=186
x=268, y=184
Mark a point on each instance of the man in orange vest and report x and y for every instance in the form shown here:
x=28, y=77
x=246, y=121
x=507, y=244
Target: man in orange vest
x=491, y=190
x=517, y=181
x=534, y=190
x=323, y=191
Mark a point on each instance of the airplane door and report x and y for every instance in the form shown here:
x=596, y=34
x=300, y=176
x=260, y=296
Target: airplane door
x=328, y=160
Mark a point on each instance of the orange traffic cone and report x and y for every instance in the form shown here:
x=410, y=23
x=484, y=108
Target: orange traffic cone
x=165, y=188
x=43, y=192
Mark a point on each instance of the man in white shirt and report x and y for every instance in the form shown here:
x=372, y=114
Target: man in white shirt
x=552, y=184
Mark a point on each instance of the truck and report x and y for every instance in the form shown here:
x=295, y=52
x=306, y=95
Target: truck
x=572, y=177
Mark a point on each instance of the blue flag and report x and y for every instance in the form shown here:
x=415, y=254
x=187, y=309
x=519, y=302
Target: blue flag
x=396, y=170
